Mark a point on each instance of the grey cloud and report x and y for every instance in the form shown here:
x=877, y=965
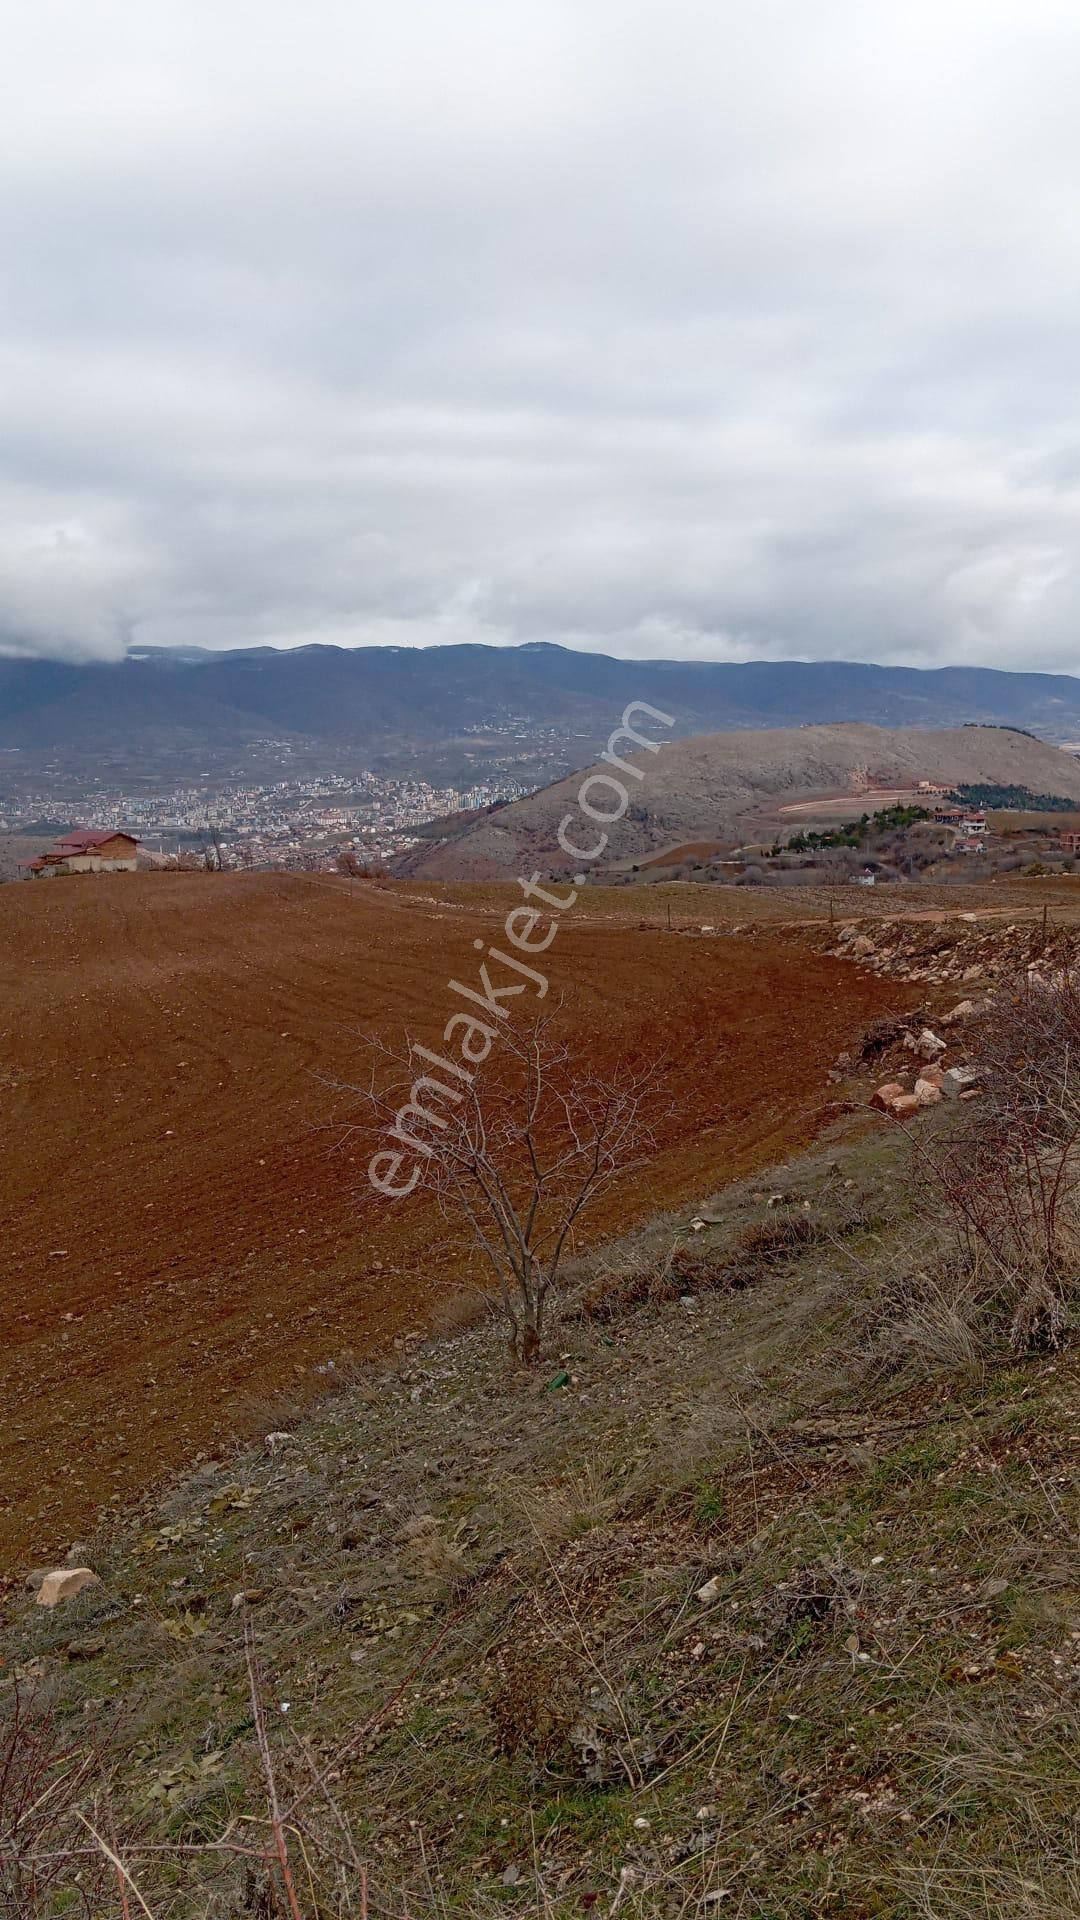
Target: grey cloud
x=697, y=328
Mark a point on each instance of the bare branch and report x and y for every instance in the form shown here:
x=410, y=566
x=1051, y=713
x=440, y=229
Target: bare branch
x=518, y=1149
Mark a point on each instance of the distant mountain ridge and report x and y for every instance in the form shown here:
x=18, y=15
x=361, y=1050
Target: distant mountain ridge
x=369, y=698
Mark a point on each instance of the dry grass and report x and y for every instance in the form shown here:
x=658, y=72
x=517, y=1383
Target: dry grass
x=725, y=1613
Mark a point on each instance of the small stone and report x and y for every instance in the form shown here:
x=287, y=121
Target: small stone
x=887, y=1095
x=962, y=1012
x=63, y=1584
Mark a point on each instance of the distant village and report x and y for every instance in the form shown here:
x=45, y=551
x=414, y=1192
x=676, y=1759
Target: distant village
x=287, y=823
x=359, y=824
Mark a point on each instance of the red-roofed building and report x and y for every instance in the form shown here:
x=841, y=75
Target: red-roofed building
x=86, y=852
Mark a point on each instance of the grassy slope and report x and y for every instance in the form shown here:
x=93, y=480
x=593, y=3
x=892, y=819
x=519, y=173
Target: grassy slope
x=874, y=1713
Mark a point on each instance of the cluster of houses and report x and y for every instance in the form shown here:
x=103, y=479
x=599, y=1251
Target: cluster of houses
x=968, y=825
x=85, y=852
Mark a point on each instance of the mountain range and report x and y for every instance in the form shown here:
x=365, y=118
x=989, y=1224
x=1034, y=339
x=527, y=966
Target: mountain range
x=373, y=702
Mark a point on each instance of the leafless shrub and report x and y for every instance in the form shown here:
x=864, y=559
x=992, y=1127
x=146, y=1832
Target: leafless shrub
x=517, y=1153
x=45, y=1775
x=1009, y=1174
x=213, y=859
x=696, y=1269
x=535, y=1701
x=881, y=1034
x=357, y=866
x=60, y=1851
x=765, y=1242
x=650, y=1281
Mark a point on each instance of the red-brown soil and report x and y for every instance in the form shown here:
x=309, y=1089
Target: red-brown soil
x=187, y=1231
x=686, y=850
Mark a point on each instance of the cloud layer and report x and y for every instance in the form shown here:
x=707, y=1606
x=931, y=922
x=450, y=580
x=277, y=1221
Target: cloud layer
x=702, y=328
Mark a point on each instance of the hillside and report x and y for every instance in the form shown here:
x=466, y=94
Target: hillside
x=733, y=785
x=760, y=1601
x=758, y=1596
x=163, y=709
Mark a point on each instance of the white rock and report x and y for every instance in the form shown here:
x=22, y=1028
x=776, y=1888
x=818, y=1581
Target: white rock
x=957, y=1077
x=63, y=1584
x=962, y=1012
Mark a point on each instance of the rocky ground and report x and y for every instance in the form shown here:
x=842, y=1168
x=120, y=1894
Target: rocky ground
x=967, y=950
x=759, y=1599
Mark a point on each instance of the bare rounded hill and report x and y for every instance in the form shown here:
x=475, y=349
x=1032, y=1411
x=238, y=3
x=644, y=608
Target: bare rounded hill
x=731, y=786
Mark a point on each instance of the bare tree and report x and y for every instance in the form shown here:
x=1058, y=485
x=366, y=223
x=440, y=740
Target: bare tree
x=211, y=852
x=357, y=867
x=1010, y=1172
x=517, y=1152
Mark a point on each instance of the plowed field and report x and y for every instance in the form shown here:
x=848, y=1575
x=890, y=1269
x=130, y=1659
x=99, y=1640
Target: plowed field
x=185, y=1228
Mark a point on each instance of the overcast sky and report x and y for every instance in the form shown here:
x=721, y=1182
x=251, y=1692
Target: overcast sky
x=674, y=327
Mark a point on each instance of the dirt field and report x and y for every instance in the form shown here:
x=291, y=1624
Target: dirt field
x=185, y=1231
x=849, y=806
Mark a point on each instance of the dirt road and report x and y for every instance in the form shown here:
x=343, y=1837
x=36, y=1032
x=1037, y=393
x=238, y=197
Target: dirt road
x=186, y=1230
